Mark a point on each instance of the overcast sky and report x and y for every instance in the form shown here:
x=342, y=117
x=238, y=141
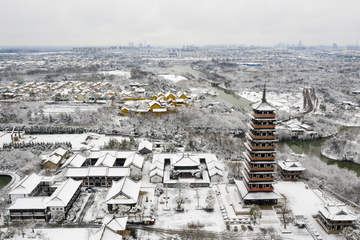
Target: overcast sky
x=174, y=22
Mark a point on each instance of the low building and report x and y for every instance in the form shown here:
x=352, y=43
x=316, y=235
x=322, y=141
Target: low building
x=97, y=176
x=195, y=169
x=333, y=218
x=123, y=192
x=53, y=160
x=32, y=185
x=64, y=197
x=113, y=228
x=145, y=147
x=27, y=208
x=290, y=170
x=41, y=207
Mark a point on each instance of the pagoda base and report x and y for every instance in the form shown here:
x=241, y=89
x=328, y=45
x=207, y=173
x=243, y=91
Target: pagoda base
x=258, y=198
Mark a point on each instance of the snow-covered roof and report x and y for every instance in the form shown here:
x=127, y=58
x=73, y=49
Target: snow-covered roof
x=159, y=110
x=213, y=165
x=152, y=103
x=64, y=193
x=135, y=160
x=29, y=203
x=145, y=145
x=155, y=172
x=215, y=171
x=156, y=165
x=118, y=172
x=185, y=160
x=97, y=171
x=55, y=159
x=106, y=160
x=336, y=212
x=60, y=151
x=124, y=191
x=246, y=195
x=105, y=233
x=117, y=154
x=263, y=106
x=115, y=223
x=27, y=184
x=76, y=160
x=291, y=165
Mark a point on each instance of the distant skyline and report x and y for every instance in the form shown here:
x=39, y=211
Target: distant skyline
x=178, y=23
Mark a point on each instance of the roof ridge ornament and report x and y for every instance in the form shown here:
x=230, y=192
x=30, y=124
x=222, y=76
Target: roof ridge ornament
x=264, y=94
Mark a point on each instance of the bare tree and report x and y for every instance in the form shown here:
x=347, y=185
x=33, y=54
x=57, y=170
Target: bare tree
x=21, y=227
x=286, y=213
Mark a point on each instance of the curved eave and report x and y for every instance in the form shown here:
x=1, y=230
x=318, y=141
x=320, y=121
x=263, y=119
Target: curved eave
x=263, y=106
x=258, y=161
x=263, y=151
x=261, y=119
x=259, y=129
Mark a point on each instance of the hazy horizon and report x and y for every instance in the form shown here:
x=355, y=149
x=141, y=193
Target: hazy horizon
x=177, y=23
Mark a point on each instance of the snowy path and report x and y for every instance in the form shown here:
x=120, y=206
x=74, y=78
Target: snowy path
x=88, y=204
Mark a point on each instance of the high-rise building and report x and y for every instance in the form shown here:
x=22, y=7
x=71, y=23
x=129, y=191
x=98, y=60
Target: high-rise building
x=257, y=185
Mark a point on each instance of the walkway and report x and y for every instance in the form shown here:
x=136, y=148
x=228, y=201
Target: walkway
x=87, y=206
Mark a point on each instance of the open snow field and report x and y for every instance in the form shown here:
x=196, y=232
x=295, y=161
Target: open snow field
x=59, y=234
x=58, y=108
x=75, y=139
x=174, y=219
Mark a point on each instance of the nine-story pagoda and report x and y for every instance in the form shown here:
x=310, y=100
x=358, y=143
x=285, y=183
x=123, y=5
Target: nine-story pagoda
x=257, y=185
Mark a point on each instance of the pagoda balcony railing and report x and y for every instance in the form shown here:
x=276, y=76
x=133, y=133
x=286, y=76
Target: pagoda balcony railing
x=262, y=126
x=261, y=137
x=259, y=179
x=258, y=115
x=260, y=158
x=260, y=189
x=261, y=148
x=260, y=168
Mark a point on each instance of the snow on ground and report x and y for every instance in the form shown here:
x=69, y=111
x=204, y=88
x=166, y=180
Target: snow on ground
x=58, y=234
x=177, y=220
x=57, y=108
x=98, y=143
x=85, y=196
x=174, y=78
x=145, y=181
x=283, y=101
x=302, y=202
x=95, y=211
x=75, y=139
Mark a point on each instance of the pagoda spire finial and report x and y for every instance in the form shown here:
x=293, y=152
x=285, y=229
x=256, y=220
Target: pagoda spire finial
x=264, y=93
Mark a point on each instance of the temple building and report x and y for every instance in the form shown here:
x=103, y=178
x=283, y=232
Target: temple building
x=257, y=185
x=290, y=170
x=333, y=218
